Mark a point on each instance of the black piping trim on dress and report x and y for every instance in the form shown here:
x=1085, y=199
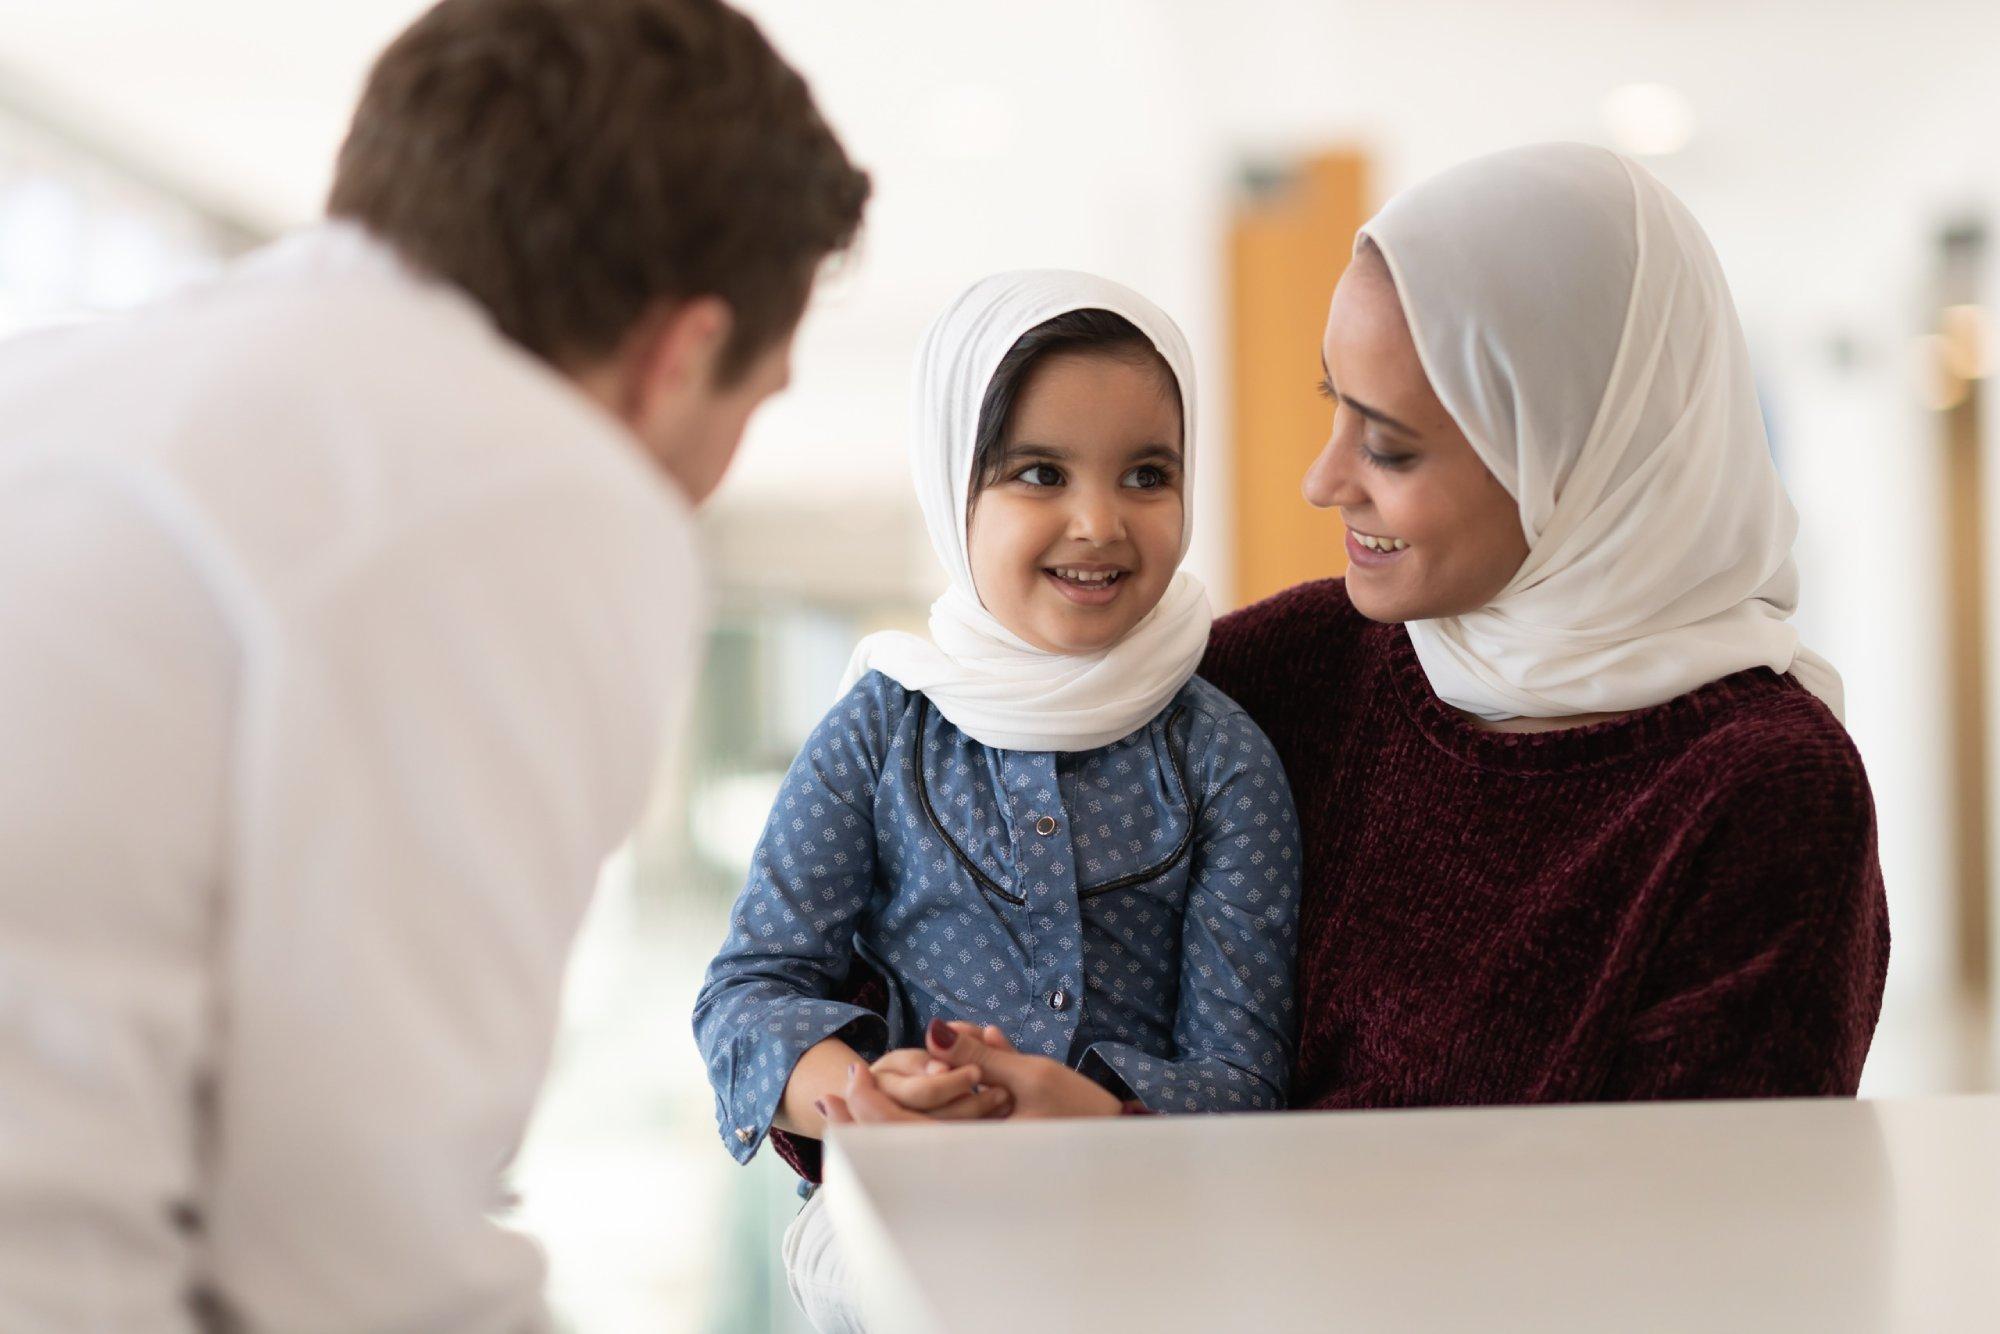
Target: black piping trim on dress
x=991, y=886
x=985, y=881
x=1173, y=858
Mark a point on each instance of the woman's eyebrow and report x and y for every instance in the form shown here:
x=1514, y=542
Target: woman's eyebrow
x=1372, y=414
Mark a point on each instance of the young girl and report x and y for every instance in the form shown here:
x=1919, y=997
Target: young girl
x=1039, y=818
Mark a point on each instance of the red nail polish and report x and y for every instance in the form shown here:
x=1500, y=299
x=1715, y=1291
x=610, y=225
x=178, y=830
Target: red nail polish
x=940, y=1034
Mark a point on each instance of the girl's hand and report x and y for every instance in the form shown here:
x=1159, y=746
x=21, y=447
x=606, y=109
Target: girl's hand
x=1041, y=1087
x=946, y=1093
x=866, y=1103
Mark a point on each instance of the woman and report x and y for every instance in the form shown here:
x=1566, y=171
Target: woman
x=1580, y=819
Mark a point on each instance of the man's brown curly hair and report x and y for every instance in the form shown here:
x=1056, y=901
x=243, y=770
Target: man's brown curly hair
x=572, y=163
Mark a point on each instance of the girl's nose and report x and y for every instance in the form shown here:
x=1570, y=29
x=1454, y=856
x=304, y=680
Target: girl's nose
x=1330, y=481
x=1097, y=520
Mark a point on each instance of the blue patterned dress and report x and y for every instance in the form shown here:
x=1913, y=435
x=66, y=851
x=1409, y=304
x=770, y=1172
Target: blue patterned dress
x=1130, y=910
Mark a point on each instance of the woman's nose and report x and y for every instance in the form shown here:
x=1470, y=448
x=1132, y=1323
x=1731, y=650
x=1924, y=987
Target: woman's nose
x=1329, y=482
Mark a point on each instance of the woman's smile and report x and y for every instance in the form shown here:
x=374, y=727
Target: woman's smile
x=1450, y=534
x=1369, y=552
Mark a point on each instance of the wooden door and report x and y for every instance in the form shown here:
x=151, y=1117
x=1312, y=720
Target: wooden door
x=1289, y=241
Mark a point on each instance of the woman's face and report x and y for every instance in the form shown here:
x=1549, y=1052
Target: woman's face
x=1078, y=537
x=1431, y=532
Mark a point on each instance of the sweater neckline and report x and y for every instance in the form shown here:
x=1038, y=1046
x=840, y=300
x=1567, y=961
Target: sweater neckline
x=1676, y=721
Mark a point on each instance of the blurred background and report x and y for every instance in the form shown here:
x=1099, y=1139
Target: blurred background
x=1844, y=155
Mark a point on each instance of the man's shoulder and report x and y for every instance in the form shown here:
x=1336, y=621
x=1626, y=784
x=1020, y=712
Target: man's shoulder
x=309, y=421
x=300, y=346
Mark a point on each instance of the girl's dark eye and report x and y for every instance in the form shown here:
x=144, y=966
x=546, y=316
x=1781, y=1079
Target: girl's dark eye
x=1149, y=477
x=1039, y=474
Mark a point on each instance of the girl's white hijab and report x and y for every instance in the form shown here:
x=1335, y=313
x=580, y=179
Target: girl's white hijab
x=993, y=685
x=1574, y=321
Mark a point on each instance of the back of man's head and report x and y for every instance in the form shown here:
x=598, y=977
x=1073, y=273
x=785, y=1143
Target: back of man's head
x=574, y=164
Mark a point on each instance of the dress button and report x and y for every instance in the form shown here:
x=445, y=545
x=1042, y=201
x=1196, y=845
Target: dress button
x=1046, y=825
x=1058, y=998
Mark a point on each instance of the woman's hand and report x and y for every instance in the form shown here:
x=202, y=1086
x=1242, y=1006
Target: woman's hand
x=1041, y=1087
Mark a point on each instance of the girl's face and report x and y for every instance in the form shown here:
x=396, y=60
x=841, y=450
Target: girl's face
x=1078, y=537
x=1431, y=532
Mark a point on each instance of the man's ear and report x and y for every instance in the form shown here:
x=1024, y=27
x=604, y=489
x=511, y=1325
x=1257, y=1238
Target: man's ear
x=678, y=352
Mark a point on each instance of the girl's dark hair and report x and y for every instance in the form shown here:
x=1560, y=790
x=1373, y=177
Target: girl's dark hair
x=1093, y=331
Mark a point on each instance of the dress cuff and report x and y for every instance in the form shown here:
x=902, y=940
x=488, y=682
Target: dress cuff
x=861, y=1029
x=1100, y=1065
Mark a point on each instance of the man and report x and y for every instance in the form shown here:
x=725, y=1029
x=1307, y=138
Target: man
x=342, y=605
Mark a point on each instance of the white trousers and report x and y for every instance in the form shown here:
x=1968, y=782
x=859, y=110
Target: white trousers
x=816, y=1271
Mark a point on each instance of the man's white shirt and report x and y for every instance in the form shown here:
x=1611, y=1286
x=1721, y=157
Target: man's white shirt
x=338, y=638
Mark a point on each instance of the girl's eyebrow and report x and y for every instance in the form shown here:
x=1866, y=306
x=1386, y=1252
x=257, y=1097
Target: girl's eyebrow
x=1054, y=455
x=1372, y=414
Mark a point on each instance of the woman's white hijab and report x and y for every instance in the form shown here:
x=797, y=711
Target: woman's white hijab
x=993, y=685
x=1575, y=322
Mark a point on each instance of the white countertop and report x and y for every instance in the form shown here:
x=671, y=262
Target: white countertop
x=1808, y=1215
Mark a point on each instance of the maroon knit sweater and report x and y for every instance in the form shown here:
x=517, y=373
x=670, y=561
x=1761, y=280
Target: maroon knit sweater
x=1681, y=903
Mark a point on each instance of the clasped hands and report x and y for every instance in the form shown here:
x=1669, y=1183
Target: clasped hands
x=963, y=1072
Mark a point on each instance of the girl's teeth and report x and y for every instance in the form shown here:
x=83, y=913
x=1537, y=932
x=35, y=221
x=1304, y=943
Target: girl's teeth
x=1381, y=543
x=1084, y=577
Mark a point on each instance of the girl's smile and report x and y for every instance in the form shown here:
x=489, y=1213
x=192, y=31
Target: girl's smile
x=1088, y=584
